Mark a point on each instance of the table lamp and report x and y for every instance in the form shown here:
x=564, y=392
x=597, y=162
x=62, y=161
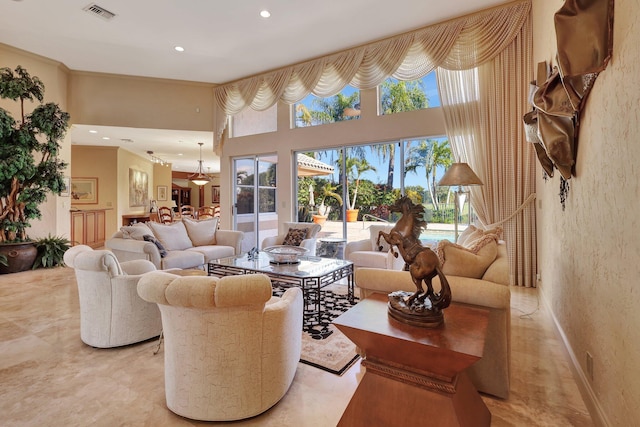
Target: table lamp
x=459, y=174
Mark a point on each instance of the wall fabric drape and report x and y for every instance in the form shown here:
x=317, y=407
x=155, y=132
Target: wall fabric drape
x=456, y=44
x=483, y=107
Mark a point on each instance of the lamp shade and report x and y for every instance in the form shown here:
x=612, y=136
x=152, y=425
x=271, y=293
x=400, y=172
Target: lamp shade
x=199, y=178
x=459, y=174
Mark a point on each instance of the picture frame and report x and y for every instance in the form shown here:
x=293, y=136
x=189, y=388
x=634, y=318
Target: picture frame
x=162, y=193
x=138, y=188
x=84, y=190
x=67, y=185
x=215, y=194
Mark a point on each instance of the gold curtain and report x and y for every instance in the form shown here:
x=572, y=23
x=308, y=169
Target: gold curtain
x=460, y=43
x=483, y=107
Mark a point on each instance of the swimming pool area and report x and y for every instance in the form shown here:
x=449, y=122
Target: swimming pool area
x=360, y=230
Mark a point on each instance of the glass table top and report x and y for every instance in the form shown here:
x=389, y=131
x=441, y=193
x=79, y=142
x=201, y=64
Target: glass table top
x=309, y=266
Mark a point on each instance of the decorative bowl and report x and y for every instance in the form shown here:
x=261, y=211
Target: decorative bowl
x=282, y=254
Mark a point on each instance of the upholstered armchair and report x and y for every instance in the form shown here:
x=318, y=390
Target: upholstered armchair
x=231, y=349
x=365, y=253
x=309, y=241
x=111, y=312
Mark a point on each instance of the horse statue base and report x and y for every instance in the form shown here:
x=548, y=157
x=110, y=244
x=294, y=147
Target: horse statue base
x=420, y=313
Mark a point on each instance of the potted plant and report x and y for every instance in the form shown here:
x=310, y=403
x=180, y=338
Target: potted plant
x=51, y=251
x=355, y=167
x=29, y=164
x=328, y=190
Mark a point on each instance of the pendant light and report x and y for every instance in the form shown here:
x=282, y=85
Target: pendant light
x=198, y=177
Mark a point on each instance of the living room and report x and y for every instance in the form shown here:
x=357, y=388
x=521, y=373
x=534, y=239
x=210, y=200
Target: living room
x=586, y=251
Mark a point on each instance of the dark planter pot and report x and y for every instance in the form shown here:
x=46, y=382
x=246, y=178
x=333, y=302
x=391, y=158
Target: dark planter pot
x=20, y=256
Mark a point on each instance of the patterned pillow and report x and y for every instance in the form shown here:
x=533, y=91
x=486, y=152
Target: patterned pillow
x=295, y=236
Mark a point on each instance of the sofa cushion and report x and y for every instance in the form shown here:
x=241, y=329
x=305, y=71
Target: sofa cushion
x=136, y=231
x=173, y=237
x=295, y=236
x=213, y=251
x=371, y=259
x=460, y=261
x=182, y=259
x=201, y=232
x=374, y=230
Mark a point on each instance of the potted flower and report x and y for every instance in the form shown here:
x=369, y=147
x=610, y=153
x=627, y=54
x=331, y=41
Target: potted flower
x=29, y=164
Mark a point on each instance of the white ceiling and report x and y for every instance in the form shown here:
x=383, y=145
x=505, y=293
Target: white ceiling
x=223, y=41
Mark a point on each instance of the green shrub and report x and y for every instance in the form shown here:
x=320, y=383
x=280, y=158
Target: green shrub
x=51, y=251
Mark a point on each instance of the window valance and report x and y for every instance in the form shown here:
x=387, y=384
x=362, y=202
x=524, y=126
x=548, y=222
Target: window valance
x=457, y=44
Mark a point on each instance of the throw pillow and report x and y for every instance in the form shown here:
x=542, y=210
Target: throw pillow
x=161, y=249
x=201, y=232
x=173, y=237
x=295, y=236
x=481, y=237
x=136, y=231
x=458, y=260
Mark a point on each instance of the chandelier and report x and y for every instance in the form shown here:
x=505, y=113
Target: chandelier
x=199, y=177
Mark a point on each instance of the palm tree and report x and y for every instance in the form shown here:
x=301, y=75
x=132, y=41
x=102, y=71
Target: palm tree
x=398, y=96
x=327, y=110
x=429, y=154
x=355, y=167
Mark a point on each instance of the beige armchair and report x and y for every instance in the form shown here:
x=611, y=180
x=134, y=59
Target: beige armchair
x=111, y=312
x=231, y=349
x=309, y=242
x=364, y=253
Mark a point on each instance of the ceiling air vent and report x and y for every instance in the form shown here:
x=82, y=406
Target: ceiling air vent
x=127, y=140
x=103, y=13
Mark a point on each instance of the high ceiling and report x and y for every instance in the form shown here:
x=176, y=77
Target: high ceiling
x=222, y=40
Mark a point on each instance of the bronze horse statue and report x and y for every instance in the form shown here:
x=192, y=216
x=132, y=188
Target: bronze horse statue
x=422, y=263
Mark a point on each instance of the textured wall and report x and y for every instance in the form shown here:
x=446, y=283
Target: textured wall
x=589, y=254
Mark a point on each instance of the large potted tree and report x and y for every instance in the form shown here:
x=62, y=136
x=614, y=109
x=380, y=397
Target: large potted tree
x=29, y=164
x=355, y=167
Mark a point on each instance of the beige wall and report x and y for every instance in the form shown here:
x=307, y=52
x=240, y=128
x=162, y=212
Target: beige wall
x=55, y=211
x=589, y=253
x=84, y=164
x=112, y=100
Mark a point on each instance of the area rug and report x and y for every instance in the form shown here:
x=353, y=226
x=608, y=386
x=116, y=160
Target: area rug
x=323, y=345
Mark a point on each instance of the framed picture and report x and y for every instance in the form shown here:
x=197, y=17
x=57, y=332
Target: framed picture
x=84, y=190
x=67, y=183
x=215, y=194
x=162, y=192
x=138, y=188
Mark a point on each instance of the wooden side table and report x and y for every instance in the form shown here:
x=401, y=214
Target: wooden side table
x=415, y=376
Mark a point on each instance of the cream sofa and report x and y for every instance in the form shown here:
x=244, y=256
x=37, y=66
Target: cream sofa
x=111, y=312
x=183, y=244
x=489, y=289
x=231, y=349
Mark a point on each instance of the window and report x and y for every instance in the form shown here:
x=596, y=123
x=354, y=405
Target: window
x=399, y=96
x=313, y=111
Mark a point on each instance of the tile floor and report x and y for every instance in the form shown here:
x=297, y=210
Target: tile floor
x=48, y=377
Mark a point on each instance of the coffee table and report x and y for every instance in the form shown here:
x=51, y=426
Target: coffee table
x=415, y=376
x=311, y=274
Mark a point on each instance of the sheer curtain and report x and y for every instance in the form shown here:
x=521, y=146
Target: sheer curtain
x=483, y=109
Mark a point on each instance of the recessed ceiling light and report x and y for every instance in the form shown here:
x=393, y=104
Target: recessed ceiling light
x=179, y=49
x=93, y=131
x=265, y=13
x=105, y=137
x=180, y=154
